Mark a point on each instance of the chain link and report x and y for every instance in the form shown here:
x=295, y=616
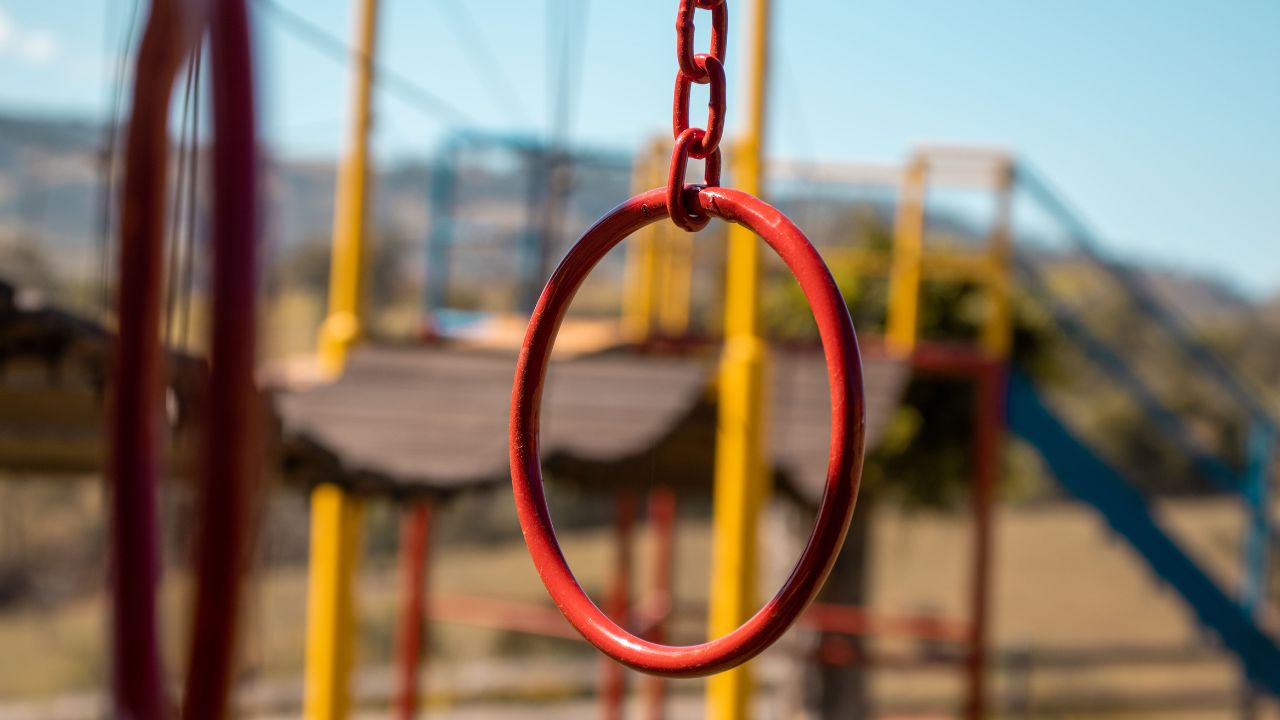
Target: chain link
x=679, y=195
x=701, y=143
x=710, y=139
x=685, y=55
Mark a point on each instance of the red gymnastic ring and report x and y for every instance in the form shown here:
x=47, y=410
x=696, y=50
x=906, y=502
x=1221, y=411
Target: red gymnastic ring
x=844, y=469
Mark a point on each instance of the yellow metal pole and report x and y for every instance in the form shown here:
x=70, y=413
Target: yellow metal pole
x=335, y=545
x=335, y=515
x=637, y=301
x=342, y=326
x=741, y=458
x=997, y=332
x=904, y=268
x=640, y=281
x=675, y=281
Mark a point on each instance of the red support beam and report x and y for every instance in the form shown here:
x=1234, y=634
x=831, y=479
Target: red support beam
x=415, y=539
x=989, y=378
x=509, y=615
x=952, y=360
x=662, y=525
x=838, y=651
x=855, y=620
x=538, y=619
x=613, y=676
x=988, y=421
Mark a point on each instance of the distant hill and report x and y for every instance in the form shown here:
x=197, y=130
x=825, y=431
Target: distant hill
x=1196, y=298
x=51, y=170
x=51, y=173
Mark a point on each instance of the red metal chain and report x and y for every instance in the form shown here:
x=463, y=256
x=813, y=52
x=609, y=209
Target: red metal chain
x=702, y=143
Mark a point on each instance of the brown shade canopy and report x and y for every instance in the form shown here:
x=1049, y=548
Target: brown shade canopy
x=433, y=420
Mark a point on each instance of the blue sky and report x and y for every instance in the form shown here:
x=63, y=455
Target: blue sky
x=1160, y=120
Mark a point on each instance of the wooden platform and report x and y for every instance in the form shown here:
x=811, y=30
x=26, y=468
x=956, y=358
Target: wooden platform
x=433, y=420
x=53, y=373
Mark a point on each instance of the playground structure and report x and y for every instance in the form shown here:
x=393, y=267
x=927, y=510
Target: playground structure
x=654, y=339
x=912, y=262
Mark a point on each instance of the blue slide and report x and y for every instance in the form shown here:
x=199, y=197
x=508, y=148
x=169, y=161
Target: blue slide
x=1088, y=477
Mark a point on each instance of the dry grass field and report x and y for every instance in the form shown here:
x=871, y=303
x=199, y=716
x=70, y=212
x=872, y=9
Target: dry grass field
x=1062, y=583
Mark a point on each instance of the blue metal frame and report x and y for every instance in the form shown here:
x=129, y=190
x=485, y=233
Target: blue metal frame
x=540, y=158
x=1253, y=482
x=1257, y=493
x=1088, y=477
x=440, y=233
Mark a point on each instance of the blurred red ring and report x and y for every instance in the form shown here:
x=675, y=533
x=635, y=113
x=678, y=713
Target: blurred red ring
x=844, y=370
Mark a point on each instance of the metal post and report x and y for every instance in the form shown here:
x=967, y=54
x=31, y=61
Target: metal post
x=343, y=326
x=997, y=331
x=740, y=465
x=335, y=546
x=1256, y=559
x=675, y=290
x=997, y=344
x=415, y=541
x=662, y=526
x=904, y=269
x=335, y=516
x=539, y=196
x=640, y=287
x=440, y=238
x=613, y=681
x=989, y=391
x=1257, y=487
